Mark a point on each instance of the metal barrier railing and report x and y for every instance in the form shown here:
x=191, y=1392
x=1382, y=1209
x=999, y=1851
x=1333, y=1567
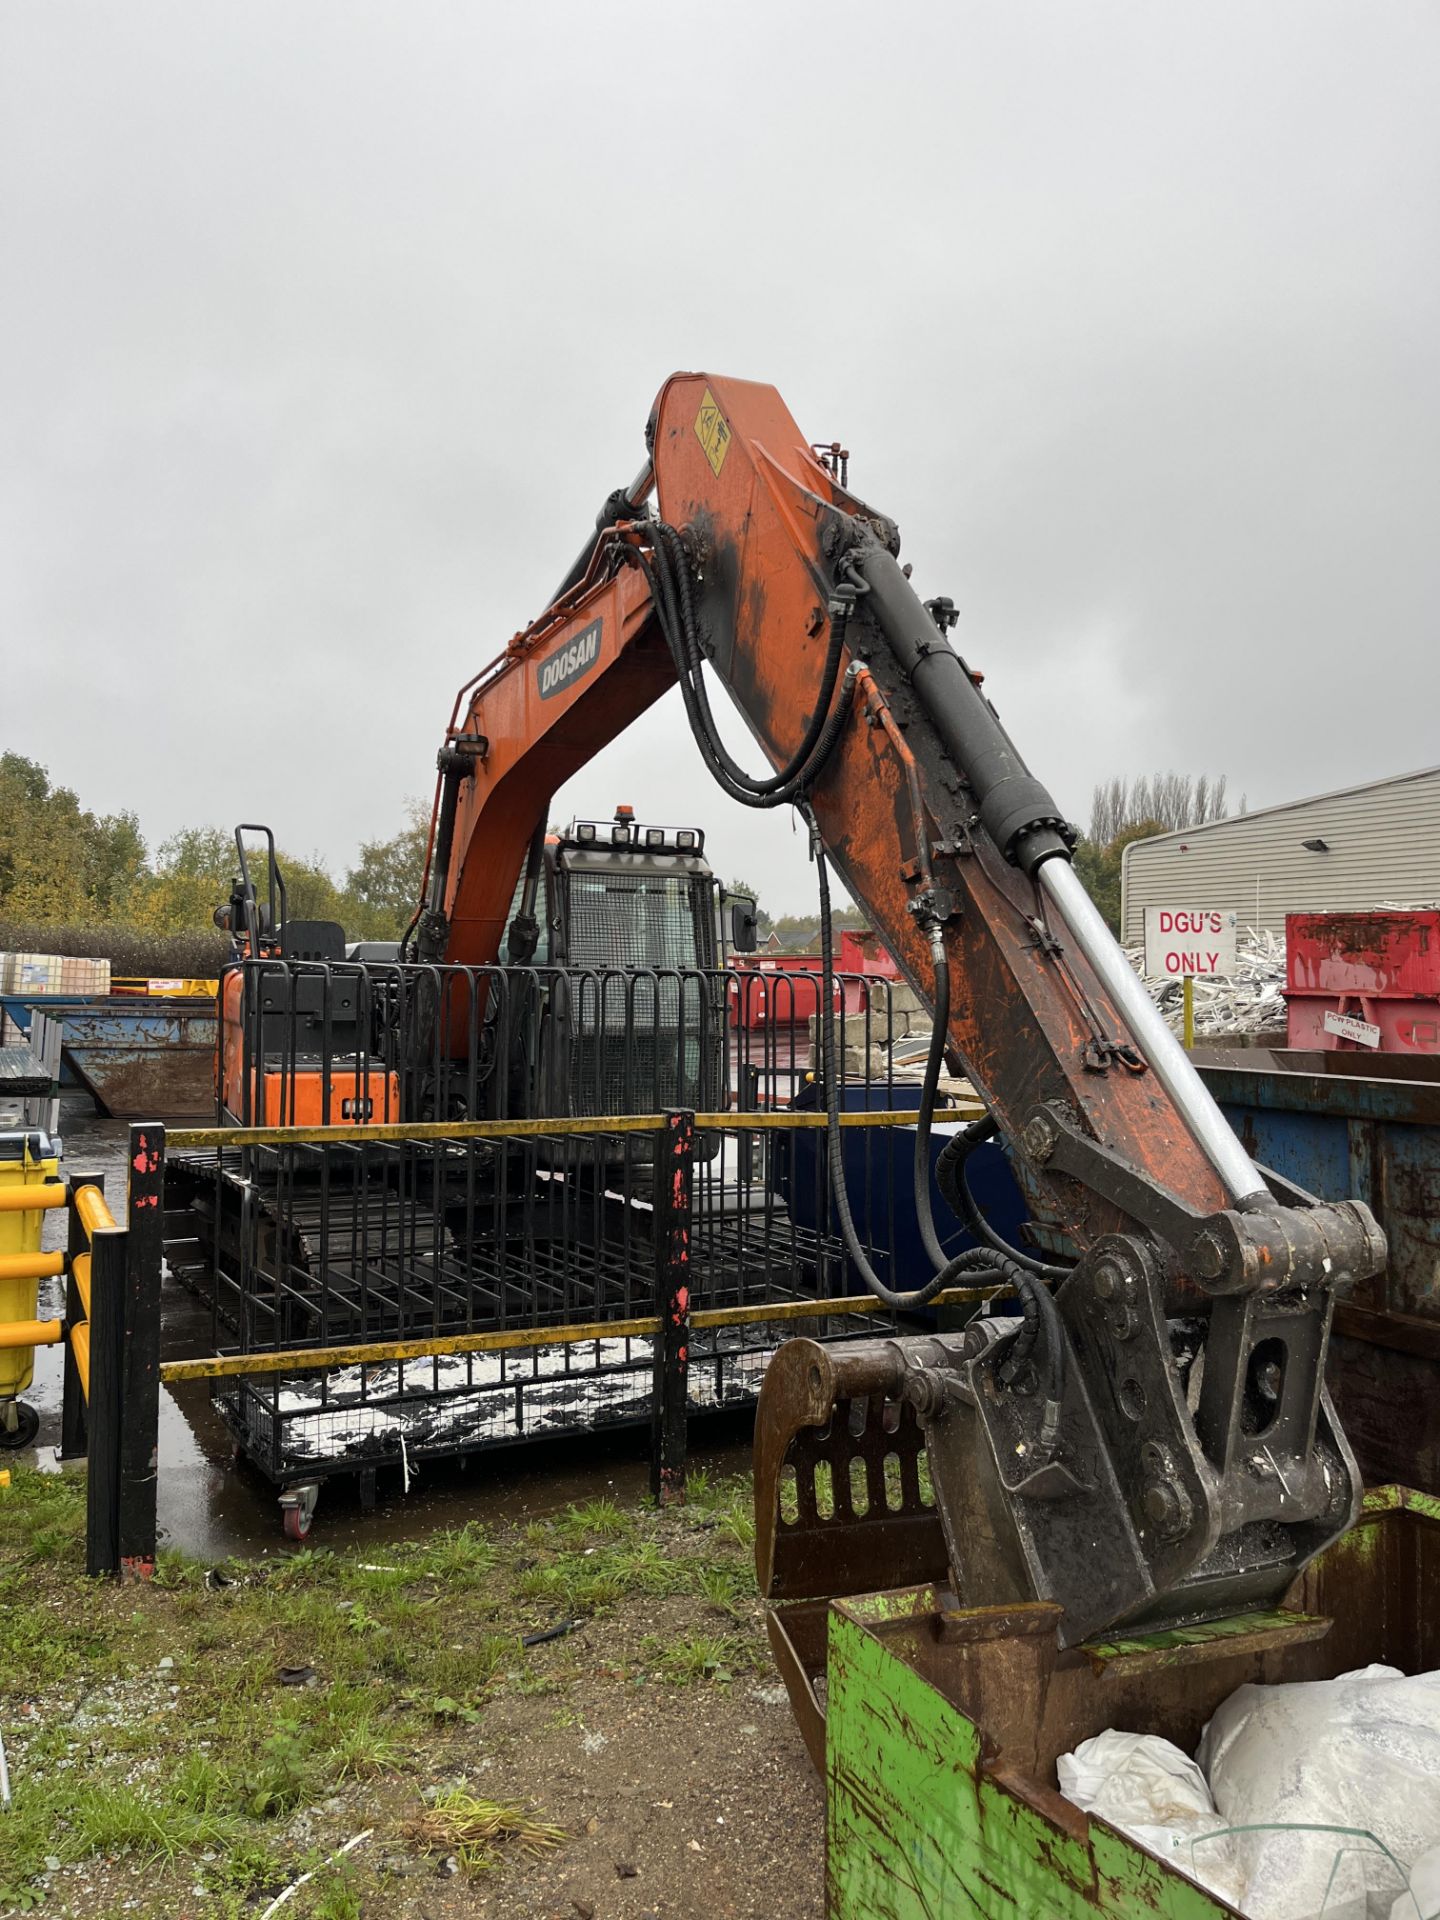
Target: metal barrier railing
x=29, y=1188
x=581, y=1281
x=380, y=1190
x=621, y=1264
x=104, y=1367
x=322, y=1041
x=39, y=1198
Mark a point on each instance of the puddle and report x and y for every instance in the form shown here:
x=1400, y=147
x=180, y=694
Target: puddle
x=213, y=1506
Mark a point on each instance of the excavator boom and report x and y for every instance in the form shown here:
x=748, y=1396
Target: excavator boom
x=1150, y=1438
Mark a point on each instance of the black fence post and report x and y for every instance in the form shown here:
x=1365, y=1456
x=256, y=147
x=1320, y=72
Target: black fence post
x=72, y=1401
x=105, y=1414
x=674, y=1175
x=140, y=1435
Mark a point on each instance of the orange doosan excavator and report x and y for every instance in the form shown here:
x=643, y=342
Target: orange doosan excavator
x=1149, y=1438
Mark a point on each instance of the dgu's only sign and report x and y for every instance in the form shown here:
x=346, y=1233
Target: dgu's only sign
x=570, y=662
x=1193, y=940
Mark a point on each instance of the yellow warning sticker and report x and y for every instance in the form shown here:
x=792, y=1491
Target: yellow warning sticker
x=713, y=432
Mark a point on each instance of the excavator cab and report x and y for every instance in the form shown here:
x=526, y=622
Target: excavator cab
x=614, y=935
x=622, y=920
x=617, y=893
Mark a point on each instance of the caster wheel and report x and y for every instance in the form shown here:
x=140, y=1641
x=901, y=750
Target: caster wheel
x=297, y=1510
x=297, y=1523
x=19, y=1424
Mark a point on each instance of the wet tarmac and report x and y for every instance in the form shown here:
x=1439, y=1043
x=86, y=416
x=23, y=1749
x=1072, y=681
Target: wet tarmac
x=214, y=1506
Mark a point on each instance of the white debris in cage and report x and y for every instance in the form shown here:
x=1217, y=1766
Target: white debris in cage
x=1251, y=1000
x=443, y=1399
x=446, y=1372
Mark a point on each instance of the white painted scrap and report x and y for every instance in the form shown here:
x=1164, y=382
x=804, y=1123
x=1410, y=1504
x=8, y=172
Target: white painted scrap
x=1251, y=1000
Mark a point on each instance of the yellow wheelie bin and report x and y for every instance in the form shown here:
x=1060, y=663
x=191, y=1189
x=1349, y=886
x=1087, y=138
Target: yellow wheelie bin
x=27, y=1160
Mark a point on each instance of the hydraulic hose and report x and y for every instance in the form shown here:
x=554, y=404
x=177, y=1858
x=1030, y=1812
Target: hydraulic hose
x=1037, y=1306
x=952, y=1178
x=840, y=605
x=984, y=1269
x=666, y=570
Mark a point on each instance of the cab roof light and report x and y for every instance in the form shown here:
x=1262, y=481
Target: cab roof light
x=585, y=832
x=620, y=834
x=655, y=836
x=686, y=840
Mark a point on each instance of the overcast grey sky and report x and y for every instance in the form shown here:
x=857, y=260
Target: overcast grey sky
x=325, y=327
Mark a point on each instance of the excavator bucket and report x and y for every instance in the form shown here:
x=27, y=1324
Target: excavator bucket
x=843, y=1502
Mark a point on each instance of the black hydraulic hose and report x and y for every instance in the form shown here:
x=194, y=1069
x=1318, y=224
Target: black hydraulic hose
x=668, y=539
x=950, y=1166
x=985, y=1270
x=1037, y=1306
x=661, y=589
x=952, y=1178
x=665, y=569
x=796, y=790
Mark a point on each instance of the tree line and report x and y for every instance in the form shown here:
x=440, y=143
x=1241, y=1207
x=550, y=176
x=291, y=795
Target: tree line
x=92, y=875
x=1122, y=811
x=63, y=866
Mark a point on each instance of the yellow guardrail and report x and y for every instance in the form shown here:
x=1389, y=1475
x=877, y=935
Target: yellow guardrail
x=91, y=1207
x=227, y=1366
x=30, y=1185
x=31, y=1266
x=33, y=1199
x=92, y=1212
x=776, y=1121
x=31, y=1333
x=80, y=1347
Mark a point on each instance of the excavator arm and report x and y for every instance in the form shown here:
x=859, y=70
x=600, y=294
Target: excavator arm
x=1151, y=1438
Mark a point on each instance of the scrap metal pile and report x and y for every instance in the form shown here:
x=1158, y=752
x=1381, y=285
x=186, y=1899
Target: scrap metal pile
x=1251, y=1000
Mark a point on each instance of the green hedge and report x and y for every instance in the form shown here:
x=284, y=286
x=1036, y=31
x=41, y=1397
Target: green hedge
x=131, y=952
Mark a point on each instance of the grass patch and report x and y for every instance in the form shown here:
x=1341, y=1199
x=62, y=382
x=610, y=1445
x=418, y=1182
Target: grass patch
x=41, y=1516
x=597, y=1520
x=214, y=1770
x=697, y=1657
x=728, y=1501
x=459, y=1823
x=726, y=1588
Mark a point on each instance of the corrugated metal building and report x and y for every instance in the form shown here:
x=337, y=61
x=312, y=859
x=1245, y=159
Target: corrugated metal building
x=1381, y=842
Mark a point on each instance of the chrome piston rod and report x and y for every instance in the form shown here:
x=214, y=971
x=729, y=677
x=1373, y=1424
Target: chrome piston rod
x=1022, y=819
x=1168, y=1060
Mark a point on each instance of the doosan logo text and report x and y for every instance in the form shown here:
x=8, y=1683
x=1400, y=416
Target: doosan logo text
x=556, y=673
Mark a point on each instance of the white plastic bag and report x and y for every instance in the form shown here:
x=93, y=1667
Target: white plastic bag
x=1360, y=1753
x=1157, y=1795
x=1422, y=1902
